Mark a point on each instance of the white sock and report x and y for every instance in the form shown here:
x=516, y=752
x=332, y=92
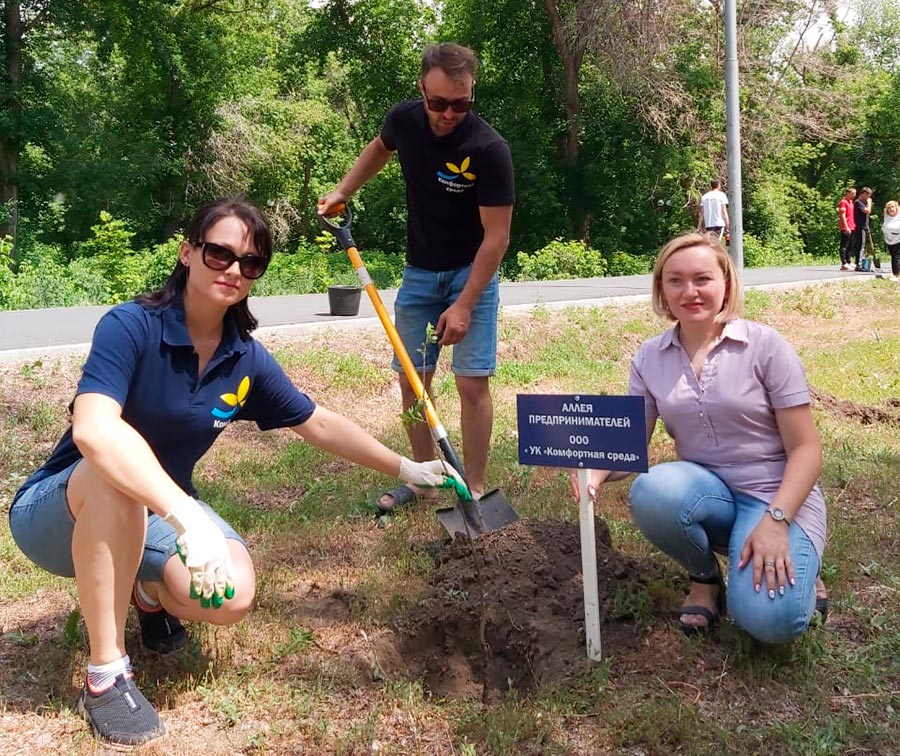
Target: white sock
x=100, y=677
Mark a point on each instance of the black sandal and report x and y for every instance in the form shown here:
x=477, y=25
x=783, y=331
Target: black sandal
x=402, y=496
x=693, y=609
x=822, y=603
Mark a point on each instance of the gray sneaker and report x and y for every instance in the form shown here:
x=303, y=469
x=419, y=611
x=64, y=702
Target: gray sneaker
x=121, y=716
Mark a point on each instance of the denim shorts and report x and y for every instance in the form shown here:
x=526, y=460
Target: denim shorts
x=41, y=525
x=423, y=296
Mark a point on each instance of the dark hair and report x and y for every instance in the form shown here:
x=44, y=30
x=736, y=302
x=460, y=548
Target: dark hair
x=715, y=184
x=206, y=217
x=454, y=60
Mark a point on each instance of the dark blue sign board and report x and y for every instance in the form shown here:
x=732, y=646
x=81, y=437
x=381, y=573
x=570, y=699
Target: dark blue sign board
x=593, y=432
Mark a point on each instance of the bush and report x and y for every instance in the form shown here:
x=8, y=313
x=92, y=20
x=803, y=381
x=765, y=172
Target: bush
x=313, y=268
x=560, y=259
x=110, y=250
x=43, y=280
x=760, y=255
x=793, y=221
x=108, y=271
x=89, y=281
x=50, y=285
x=623, y=264
x=755, y=254
x=157, y=264
x=300, y=272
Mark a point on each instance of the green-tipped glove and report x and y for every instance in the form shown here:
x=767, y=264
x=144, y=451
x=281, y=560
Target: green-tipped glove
x=204, y=551
x=435, y=473
x=462, y=490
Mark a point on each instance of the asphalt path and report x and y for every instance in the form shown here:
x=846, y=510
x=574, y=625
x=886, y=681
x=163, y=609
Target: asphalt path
x=26, y=334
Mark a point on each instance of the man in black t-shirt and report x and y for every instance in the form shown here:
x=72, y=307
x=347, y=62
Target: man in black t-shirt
x=862, y=208
x=459, y=195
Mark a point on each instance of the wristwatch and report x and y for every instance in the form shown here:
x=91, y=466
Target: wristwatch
x=778, y=515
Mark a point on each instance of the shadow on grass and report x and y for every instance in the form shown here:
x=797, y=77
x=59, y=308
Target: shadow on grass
x=43, y=662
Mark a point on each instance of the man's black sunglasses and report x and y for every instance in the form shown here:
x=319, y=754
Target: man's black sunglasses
x=439, y=104
x=217, y=257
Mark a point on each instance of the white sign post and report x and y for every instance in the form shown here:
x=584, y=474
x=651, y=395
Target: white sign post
x=584, y=432
x=589, y=567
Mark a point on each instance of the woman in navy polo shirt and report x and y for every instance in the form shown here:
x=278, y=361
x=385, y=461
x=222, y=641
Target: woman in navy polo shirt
x=115, y=501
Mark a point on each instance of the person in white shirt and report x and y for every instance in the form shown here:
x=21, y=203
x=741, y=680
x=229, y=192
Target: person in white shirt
x=890, y=227
x=714, y=210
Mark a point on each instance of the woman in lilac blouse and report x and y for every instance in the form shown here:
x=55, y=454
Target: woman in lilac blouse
x=734, y=397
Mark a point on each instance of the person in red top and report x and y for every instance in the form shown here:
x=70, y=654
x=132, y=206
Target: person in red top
x=846, y=226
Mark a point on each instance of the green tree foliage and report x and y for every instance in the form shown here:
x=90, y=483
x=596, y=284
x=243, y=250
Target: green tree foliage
x=367, y=54
x=121, y=117
x=281, y=154
x=379, y=44
x=119, y=101
x=561, y=259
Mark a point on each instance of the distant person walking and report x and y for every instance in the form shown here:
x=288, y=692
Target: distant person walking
x=890, y=227
x=862, y=209
x=714, y=210
x=846, y=225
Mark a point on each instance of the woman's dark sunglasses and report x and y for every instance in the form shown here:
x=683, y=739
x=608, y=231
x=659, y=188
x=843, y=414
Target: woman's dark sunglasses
x=439, y=104
x=217, y=257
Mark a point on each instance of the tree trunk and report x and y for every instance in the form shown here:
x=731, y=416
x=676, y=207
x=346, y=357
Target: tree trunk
x=571, y=54
x=10, y=138
x=173, y=186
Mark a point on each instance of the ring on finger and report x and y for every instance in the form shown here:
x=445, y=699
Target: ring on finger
x=769, y=563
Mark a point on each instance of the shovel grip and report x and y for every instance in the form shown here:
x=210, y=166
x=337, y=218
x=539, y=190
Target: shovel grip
x=340, y=230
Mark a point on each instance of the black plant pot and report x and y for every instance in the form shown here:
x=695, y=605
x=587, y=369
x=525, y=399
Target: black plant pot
x=344, y=300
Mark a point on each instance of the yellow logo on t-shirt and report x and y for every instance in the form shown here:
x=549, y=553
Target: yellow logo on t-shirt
x=235, y=401
x=457, y=170
x=460, y=177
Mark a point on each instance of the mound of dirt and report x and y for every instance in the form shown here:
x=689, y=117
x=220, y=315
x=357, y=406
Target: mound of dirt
x=864, y=414
x=523, y=624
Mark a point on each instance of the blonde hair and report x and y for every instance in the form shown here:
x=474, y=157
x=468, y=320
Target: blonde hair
x=732, y=307
x=892, y=205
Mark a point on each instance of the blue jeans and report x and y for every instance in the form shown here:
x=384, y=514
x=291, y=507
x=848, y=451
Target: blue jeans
x=42, y=525
x=423, y=296
x=688, y=513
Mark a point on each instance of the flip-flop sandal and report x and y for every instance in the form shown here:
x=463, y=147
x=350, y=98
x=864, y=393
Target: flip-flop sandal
x=692, y=630
x=711, y=617
x=402, y=495
x=822, y=607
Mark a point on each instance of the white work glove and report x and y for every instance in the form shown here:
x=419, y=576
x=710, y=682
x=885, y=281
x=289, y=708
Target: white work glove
x=204, y=551
x=432, y=474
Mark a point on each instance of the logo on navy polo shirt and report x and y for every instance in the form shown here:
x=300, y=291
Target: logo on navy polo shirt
x=459, y=177
x=234, y=401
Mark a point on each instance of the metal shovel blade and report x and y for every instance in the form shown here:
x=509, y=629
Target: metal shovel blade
x=491, y=512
